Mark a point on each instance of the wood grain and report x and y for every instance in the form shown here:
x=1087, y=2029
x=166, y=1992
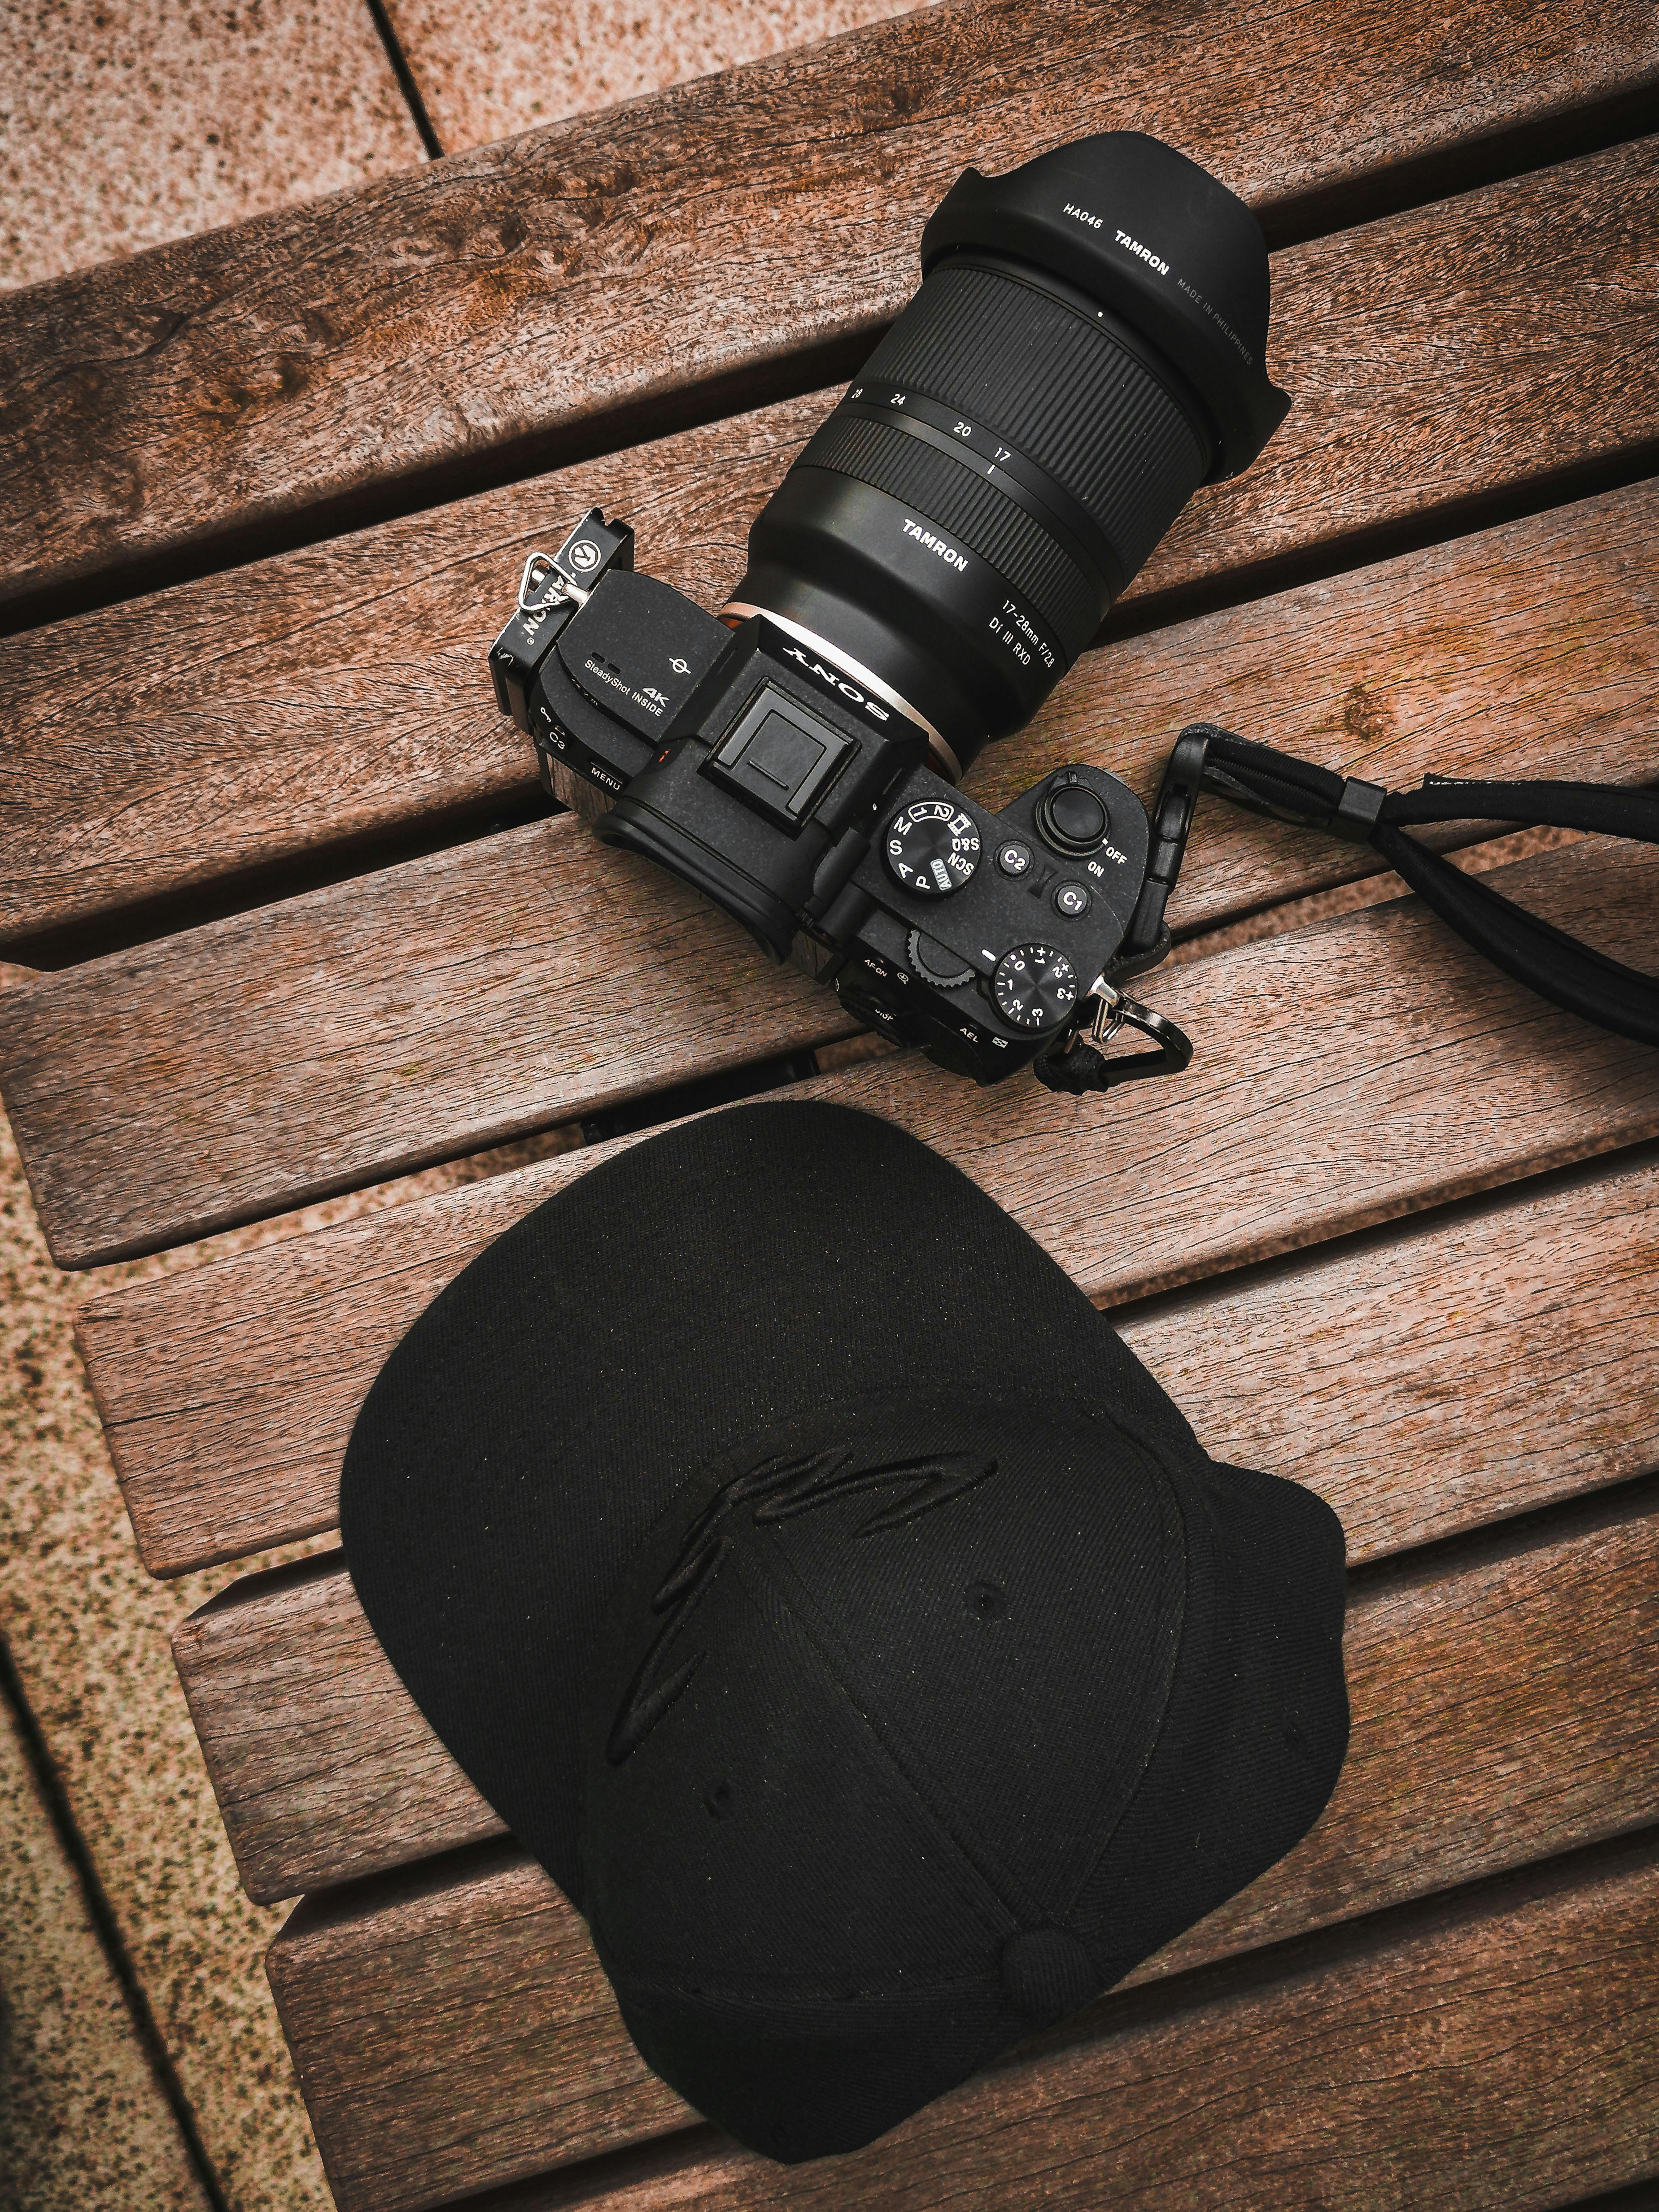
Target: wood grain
x=1495, y=2054
x=497, y=301
x=459, y=1000
x=451, y=2027
x=1346, y=1074
x=1398, y=1378
x=338, y=691
x=323, y=1766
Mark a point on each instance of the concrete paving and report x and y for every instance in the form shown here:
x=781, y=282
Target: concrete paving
x=128, y=122
x=88, y=1632
x=486, y=72
x=83, y=2120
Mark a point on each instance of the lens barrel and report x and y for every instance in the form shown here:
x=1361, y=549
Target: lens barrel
x=1085, y=351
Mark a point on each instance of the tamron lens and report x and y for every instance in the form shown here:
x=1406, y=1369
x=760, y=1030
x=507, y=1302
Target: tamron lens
x=1086, y=349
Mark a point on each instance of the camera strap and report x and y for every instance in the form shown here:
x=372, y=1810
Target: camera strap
x=1559, y=967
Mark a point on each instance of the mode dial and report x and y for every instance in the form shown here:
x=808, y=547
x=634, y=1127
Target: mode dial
x=1036, y=986
x=932, y=847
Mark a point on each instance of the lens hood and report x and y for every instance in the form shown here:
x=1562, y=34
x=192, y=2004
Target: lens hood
x=1154, y=239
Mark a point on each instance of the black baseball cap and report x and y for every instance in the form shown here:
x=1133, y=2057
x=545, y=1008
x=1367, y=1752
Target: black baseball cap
x=816, y=1584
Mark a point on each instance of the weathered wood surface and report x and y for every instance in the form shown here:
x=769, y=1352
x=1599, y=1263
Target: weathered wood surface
x=496, y=988
x=1398, y=1378
x=494, y=303
x=452, y=2030
x=339, y=691
x=324, y=1769
x=1346, y=1073
x=1494, y=2054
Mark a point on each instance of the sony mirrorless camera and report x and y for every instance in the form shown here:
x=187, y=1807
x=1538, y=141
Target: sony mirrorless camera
x=1086, y=348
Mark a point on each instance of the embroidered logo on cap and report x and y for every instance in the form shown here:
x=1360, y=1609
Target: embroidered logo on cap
x=777, y=1490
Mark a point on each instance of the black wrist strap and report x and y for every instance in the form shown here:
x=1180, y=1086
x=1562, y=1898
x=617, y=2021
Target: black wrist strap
x=1559, y=967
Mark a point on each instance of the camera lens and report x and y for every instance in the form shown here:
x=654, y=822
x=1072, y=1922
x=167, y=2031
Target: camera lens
x=1087, y=347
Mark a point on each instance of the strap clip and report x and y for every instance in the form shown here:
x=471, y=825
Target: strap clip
x=541, y=585
x=1072, y=1064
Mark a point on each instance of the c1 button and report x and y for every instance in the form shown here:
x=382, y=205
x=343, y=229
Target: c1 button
x=1013, y=857
x=1072, y=900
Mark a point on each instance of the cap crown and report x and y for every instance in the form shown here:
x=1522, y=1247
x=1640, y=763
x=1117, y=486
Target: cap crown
x=815, y=1584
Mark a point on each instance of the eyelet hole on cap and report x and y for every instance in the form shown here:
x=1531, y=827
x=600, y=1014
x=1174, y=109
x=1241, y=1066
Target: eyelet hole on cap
x=988, y=1600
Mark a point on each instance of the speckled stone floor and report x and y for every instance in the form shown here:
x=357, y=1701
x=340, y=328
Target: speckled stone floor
x=141, y=2064
x=83, y=2118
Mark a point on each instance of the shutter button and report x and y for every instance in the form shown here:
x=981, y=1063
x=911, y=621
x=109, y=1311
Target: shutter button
x=1069, y=816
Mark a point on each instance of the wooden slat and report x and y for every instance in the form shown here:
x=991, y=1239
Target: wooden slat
x=324, y=1769
x=452, y=2030
x=1493, y=2055
x=339, y=691
x=461, y=999
x=1346, y=1074
x=500, y=300
x=1397, y=1377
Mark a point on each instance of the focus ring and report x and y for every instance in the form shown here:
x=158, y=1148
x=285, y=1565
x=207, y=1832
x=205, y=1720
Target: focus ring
x=1060, y=387
x=962, y=504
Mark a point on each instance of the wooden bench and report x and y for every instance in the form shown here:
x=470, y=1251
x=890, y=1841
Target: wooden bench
x=301, y=923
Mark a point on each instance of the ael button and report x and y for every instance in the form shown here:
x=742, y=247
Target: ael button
x=1070, y=817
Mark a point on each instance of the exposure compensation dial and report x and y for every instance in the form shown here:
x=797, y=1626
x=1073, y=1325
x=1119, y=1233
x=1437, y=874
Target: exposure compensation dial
x=1036, y=986
x=932, y=848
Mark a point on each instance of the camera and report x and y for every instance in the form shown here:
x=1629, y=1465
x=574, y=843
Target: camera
x=1086, y=348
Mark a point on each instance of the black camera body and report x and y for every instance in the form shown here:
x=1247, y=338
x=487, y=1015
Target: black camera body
x=759, y=768
x=1086, y=348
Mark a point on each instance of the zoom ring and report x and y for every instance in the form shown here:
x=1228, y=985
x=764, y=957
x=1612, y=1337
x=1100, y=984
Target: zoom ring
x=939, y=488
x=1060, y=386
